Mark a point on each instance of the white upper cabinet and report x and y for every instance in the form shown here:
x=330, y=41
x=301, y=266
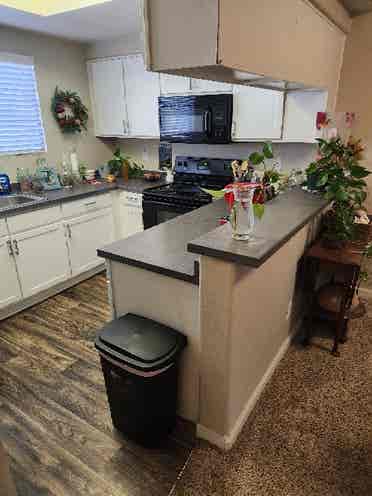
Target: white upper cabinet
x=142, y=89
x=301, y=109
x=174, y=84
x=108, y=97
x=258, y=114
x=10, y=290
x=205, y=86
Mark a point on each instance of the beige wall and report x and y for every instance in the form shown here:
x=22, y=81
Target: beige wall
x=240, y=339
x=116, y=47
x=355, y=92
x=336, y=12
x=61, y=63
x=144, y=151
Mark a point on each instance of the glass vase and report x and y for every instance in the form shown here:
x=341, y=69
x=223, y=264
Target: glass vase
x=242, y=214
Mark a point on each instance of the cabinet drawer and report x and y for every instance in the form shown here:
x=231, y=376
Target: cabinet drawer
x=86, y=205
x=35, y=218
x=3, y=229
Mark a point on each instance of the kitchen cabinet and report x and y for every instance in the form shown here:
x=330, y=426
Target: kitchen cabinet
x=142, y=90
x=10, y=291
x=41, y=257
x=108, y=97
x=130, y=214
x=84, y=235
x=302, y=47
x=206, y=86
x=174, y=84
x=257, y=115
x=124, y=97
x=301, y=108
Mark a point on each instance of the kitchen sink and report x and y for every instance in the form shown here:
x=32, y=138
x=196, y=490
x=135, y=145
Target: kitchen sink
x=18, y=200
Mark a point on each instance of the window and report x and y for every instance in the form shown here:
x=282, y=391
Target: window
x=21, y=127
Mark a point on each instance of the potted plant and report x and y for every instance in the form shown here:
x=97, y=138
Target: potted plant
x=124, y=165
x=338, y=174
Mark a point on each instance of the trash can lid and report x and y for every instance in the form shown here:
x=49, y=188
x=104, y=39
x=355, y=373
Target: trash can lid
x=140, y=342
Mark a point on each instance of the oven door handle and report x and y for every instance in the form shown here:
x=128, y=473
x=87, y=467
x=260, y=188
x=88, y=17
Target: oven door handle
x=166, y=206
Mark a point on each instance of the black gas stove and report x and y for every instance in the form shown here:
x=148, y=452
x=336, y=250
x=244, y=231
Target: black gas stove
x=185, y=193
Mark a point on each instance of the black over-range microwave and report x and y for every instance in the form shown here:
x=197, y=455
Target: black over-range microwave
x=196, y=118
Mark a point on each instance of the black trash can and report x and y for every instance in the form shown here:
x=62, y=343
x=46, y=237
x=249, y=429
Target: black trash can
x=139, y=359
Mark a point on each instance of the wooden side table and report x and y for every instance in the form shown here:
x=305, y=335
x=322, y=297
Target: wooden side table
x=345, y=262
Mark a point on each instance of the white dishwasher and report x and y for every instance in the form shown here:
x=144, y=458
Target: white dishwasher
x=130, y=206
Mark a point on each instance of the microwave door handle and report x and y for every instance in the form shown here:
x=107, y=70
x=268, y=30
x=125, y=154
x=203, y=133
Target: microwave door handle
x=207, y=122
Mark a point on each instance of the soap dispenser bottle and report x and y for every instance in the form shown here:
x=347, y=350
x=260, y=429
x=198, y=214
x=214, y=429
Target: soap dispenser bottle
x=5, y=186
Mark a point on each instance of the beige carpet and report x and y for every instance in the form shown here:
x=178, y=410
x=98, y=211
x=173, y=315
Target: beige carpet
x=310, y=434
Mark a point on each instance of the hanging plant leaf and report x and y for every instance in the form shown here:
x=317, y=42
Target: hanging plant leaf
x=256, y=158
x=358, y=171
x=268, y=150
x=322, y=179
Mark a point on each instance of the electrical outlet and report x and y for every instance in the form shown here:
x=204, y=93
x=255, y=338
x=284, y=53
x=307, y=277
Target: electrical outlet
x=289, y=309
x=145, y=155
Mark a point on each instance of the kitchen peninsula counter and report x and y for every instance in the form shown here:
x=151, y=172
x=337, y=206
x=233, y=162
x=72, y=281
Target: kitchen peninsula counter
x=238, y=311
x=173, y=248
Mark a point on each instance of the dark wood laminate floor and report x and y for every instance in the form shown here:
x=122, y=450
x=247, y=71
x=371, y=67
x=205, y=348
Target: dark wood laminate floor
x=54, y=418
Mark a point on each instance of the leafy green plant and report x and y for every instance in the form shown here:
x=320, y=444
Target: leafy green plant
x=116, y=164
x=257, y=158
x=339, y=175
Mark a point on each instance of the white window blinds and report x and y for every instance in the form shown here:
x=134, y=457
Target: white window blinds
x=21, y=127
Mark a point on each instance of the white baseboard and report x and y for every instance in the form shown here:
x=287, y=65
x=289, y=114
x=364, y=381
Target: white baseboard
x=21, y=305
x=211, y=436
x=226, y=442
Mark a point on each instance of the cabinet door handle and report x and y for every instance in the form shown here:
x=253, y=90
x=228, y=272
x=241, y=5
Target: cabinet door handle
x=233, y=128
x=10, y=248
x=90, y=204
x=69, y=234
x=15, y=245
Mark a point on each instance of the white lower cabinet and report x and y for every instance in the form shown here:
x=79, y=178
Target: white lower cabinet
x=10, y=290
x=130, y=214
x=85, y=234
x=133, y=223
x=42, y=248
x=41, y=257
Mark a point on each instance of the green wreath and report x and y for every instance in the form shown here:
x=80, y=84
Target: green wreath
x=69, y=111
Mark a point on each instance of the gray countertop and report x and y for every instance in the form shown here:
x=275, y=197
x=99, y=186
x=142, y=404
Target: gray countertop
x=80, y=191
x=284, y=217
x=173, y=248
x=163, y=248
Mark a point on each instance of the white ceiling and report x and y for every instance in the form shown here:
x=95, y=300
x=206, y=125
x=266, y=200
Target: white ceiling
x=97, y=22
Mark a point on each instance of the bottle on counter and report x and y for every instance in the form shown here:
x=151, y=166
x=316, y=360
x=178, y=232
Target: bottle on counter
x=74, y=161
